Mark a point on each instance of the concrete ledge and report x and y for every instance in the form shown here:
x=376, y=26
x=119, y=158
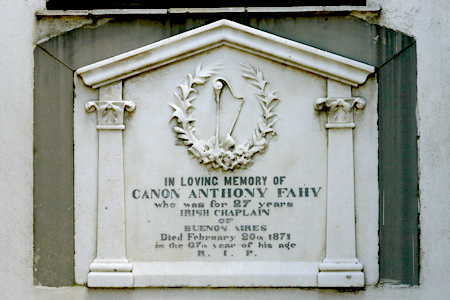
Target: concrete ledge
x=292, y=9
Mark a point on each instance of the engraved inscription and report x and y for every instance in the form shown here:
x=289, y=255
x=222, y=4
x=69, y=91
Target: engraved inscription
x=212, y=214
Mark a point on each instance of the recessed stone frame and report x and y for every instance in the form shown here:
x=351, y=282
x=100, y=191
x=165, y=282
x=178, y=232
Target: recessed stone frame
x=392, y=53
x=104, y=201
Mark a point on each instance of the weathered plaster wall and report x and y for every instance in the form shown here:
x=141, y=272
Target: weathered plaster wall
x=17, y=27
x=427, y=21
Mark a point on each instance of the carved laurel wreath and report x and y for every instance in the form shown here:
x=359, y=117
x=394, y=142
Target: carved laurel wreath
x=227, y=155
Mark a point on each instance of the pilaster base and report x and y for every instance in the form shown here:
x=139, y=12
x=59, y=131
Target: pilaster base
x=110, y=279
x=110, y=273
x=110, y=265
x=340, y=279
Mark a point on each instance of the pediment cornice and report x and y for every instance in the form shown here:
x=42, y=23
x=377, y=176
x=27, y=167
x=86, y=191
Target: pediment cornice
x=225, y=32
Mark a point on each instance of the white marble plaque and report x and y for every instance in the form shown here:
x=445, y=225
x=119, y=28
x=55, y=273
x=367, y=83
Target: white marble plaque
x=225, y=156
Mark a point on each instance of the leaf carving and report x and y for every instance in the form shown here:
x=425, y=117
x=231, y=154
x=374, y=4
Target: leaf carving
x=267, y=100
x=226, y=155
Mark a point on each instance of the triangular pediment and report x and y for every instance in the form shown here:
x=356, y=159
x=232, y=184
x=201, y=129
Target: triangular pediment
x=225, y=32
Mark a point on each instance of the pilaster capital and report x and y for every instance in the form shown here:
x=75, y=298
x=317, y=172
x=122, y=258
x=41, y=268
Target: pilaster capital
x=340, y=110
x=110, y=113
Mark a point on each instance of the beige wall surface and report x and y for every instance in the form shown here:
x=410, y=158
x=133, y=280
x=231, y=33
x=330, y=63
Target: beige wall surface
x=426, y=21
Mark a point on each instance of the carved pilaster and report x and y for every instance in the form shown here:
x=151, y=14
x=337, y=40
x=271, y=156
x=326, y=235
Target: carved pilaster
x=340, y=268
x=111, y=267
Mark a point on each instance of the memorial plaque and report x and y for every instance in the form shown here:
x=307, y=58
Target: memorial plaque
x=224, y=156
